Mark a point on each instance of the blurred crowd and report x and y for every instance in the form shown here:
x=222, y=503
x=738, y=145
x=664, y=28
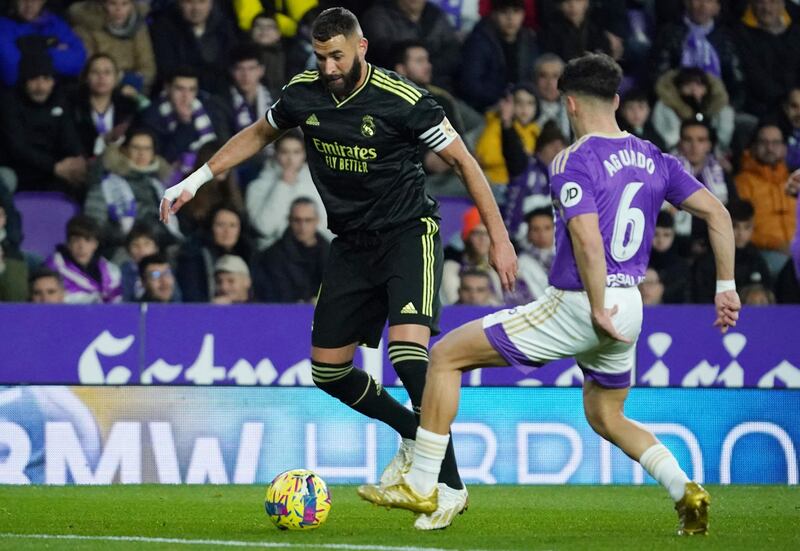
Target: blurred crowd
x=105, y=103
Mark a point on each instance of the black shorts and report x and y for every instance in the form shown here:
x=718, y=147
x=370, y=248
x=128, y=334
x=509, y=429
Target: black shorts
x=370, y=277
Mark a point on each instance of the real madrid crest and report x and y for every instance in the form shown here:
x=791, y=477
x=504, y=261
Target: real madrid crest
x=367, y=126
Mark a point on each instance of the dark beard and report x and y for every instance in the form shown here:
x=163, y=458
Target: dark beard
x=345, y=87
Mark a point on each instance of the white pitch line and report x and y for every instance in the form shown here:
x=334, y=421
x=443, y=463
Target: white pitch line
x=228, y=543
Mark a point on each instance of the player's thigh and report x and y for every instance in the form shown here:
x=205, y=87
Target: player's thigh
x=350, y=307
x=412, y=270
x=466, y=347
x=338, y=355
x=600, y=403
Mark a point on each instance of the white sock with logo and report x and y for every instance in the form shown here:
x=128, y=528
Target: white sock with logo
x=429, y=451
x=659, y=462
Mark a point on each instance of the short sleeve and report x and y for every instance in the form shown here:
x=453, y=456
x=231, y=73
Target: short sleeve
x=680, y=184
x=428, y=123
x=571, y=187
x=282, y=115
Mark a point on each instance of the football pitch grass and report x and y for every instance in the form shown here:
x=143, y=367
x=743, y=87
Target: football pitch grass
x=500, y=518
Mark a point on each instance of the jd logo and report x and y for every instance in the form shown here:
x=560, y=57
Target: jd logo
x=571, y=194
x=367, y=126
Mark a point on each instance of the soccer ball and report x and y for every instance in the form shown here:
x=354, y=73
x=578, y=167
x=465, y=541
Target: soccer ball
x=298, y=500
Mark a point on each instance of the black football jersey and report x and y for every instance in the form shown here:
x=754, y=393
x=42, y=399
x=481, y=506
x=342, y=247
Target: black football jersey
x=363, y=150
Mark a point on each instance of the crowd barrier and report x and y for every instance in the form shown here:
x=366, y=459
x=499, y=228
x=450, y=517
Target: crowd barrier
x=268, y=345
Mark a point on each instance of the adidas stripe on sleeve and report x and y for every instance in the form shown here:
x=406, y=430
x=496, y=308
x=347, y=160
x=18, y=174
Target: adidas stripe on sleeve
x=439, y=136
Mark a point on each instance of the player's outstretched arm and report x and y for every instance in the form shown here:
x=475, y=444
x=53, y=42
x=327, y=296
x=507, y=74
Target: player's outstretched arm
x=501, y=255
x=239, y=148
x=589, y=251
x=720, y=233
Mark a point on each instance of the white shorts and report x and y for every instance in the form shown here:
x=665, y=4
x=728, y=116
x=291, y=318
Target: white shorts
x=559, y=325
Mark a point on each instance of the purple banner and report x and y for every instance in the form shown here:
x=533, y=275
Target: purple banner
x=268, y=345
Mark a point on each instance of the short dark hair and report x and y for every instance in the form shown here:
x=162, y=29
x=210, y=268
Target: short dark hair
x=691, y=74
x=741, y=210
x=157, y=258
x=244, y=52
x=183, y=71
x=541, y=211
x=594, y=75
x=83, y=226
x=333, y=22
x=141, y=229
x=500, y=5
x=665, y=220
x=42, y=273
x=550, y=133
x=636, y=94
x=689, y=123
x=766, y=124
x=475, y=272
x=399, y=51
x=134, y=131
x=302, y=201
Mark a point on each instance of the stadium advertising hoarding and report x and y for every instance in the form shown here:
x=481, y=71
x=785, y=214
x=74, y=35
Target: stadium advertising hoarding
x=268, y=345
x=175, y=435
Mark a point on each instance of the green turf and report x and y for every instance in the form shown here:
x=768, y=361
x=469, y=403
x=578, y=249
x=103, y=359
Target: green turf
x=500, y=517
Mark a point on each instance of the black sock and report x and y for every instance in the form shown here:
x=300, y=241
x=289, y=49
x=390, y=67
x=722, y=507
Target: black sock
x=361, y=392
x=410, y=360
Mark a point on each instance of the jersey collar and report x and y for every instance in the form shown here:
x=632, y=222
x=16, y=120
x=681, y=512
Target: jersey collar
x=355, y=92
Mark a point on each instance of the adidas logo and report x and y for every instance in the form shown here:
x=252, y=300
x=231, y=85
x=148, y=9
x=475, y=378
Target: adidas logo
x=312, y=120
x=408, y=309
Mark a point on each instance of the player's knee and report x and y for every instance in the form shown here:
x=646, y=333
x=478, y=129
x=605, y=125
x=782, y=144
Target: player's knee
x=329, y=377
x=443, y=357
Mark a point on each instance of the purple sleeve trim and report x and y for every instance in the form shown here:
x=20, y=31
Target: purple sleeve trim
x=608, y=380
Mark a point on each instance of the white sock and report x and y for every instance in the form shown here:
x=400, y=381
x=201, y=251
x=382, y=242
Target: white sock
x=659, y=462
x=429, y=450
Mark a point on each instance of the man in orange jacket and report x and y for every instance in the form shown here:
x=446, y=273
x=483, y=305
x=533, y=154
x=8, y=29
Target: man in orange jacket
x=761, y=181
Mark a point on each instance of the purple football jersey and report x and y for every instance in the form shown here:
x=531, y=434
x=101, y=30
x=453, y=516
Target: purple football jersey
x=625, y=181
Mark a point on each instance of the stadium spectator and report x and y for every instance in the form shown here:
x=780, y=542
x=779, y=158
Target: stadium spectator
x=749, y=267
x=789, y=121
x=157, y=279
x=762, y=181
x=194, y=33
x=700, y=40
x=474, y=255
x=500, y=52
x=102, y=113
x=223, y=189
x=232, y=281
x=88, y=277
x=516, y=111
x=140, y=242
x=283, y=180
x=651, y=287
x=289, y=14
x=118, y=29
x=128, y=189
x=696, y=152
x=183, y=119
x=673, y=269
x=272, y=54
x=412, y=60
x=13, y=278
x=10, y=225
x=475, y=289
x=225, y=235
x=39, y=138
x=691, y=94
x=546, y=72
x=537, y=253
x=570, y=33
x=787, y=284
x=529, y=184
x=634, y=116
x=390, y=21
x=291, y=269
x=246, y=100
x=46, y=287
x=767, y=39
x=757, y=295
x=33, y=30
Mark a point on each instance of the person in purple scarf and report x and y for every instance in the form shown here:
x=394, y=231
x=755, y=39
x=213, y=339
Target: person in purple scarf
x=88, y=277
